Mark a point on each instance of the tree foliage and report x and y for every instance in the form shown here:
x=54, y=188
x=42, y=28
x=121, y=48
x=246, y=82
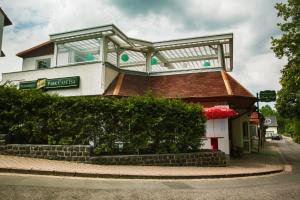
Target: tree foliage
x=288, y=45
x=267, y=111
x=115, y=125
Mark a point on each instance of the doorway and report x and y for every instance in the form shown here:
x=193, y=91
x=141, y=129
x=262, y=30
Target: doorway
x=246, y=137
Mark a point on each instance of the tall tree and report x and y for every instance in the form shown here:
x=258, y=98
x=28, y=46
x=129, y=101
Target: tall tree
x=288, y=45
x=267, y=111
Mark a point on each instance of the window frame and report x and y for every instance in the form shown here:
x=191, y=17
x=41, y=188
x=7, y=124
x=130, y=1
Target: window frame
x=42, y=59
x=71, y=56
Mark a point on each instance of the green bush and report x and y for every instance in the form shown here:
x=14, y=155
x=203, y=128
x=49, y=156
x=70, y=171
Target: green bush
x=132, y=125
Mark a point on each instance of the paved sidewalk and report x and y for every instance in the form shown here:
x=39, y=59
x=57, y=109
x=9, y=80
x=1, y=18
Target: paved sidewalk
x=266, y=162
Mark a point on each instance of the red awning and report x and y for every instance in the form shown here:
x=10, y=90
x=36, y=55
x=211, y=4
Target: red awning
x=219, y=112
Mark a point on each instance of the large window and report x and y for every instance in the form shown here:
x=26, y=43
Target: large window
x=43, y=63
x=79, y=51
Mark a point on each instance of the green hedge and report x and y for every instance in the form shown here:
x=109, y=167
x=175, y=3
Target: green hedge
x=131, y=125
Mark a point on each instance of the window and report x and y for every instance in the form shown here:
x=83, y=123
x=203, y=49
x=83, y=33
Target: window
x=78, y=51
x=246, y=137
x=245, y=131
x=43, y=63
x=253, y=131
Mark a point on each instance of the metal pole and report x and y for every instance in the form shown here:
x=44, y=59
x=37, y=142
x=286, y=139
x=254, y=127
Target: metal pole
x=260, y=124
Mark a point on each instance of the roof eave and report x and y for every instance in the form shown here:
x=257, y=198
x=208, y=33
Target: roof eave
x=23, y=54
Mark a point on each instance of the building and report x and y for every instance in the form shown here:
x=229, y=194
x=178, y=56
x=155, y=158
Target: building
x=271, y=124
x=104, y=61
x=4, y=21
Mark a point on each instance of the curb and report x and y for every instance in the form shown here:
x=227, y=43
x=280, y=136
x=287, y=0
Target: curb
x=128, y=176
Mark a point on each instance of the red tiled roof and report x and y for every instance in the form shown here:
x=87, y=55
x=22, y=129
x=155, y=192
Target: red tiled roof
x=188, y=85
x=192, y=85
x=237, y=88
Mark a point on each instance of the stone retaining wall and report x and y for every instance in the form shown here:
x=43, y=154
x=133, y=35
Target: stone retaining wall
x=53, y=152
x=205, y=159
x=82, y=153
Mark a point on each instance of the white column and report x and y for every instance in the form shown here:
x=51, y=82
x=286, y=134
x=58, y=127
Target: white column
x=148, y=61
x=103, y=57
x=54, y=62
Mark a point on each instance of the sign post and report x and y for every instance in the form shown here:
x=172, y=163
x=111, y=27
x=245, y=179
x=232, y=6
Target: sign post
x=264, y=96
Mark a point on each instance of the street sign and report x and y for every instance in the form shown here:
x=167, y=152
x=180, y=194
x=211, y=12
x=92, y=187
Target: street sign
x=267, y=96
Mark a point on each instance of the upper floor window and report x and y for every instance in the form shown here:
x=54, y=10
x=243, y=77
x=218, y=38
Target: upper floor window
x=78, y=51
x=43, y=63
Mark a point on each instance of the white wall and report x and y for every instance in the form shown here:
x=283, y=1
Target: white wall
x=30, y=63
x=90, y=78
x=271, y=131
x=237, y=130
x=110, y=75
x=218, y=128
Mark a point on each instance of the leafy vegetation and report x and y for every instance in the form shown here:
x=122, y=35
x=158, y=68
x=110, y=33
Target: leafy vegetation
x=286, y=126
x=288, y=46
x=131, y=125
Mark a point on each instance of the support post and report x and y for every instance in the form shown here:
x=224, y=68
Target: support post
x=103, y=57
x=54, y=64
x=148, y=62
x=260, y=124
x=221, y=58
x=118, y=56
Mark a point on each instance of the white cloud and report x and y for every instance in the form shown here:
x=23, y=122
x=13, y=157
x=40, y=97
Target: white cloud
x=260, y=72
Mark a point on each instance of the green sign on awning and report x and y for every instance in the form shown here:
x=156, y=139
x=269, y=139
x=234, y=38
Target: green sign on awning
x=67, y=82
x=56, y=83
x=27, y=85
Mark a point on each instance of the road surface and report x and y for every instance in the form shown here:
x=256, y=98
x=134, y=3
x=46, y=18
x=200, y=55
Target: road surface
x=278, y=186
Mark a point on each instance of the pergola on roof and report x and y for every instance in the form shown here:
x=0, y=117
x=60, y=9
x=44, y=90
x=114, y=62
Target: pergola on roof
x=213, y=52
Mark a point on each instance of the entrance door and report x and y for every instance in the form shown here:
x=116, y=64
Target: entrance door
x=246, y=137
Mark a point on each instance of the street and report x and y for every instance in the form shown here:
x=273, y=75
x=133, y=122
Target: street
x=278, y=186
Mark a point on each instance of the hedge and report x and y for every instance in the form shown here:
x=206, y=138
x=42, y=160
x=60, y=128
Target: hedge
x=131, y=125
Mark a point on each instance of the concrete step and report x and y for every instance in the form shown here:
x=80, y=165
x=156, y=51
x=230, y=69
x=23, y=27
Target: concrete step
x=2, y=142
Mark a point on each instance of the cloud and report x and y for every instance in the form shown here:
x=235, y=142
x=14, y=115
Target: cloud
x=139, y=8
x=260, y=72
x=252, y=22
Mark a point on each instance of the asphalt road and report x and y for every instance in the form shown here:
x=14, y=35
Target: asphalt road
x=280, y=186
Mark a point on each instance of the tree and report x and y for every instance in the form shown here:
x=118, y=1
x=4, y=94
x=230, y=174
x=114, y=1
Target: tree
x=267, y=111
x=288, y=45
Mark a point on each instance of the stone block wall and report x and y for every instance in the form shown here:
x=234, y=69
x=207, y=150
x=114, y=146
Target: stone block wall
x=82, y=153
x=204, y=159
x=53, y=152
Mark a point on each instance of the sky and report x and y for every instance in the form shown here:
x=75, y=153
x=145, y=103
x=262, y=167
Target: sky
x=252, y=23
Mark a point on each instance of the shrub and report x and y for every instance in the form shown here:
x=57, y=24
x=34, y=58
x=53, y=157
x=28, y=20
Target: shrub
x=132, y=125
